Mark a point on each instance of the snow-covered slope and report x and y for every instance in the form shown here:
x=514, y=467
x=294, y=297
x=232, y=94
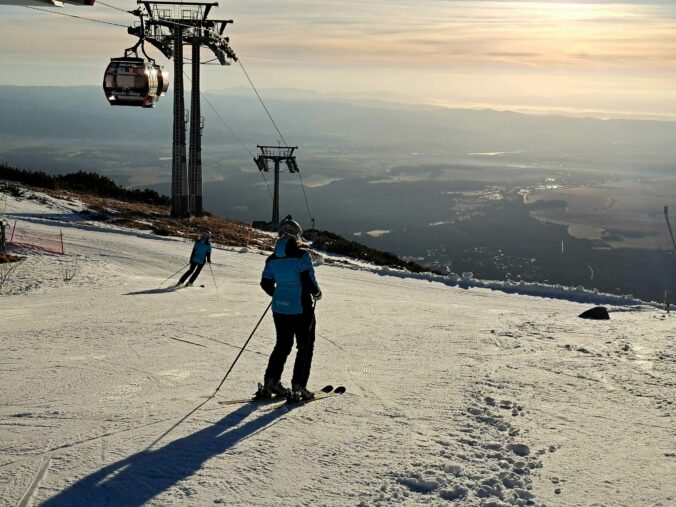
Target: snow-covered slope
x=461, y=395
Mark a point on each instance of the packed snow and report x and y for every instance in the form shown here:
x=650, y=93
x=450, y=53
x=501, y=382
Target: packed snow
x=457, y=393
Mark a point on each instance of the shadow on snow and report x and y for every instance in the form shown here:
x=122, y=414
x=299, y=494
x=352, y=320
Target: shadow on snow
x=159, y=290
x=135, y=480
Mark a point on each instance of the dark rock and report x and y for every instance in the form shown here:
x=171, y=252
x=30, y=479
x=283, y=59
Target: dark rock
x=596, y=313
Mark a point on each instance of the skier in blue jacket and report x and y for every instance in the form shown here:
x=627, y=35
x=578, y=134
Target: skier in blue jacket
x=290, y=279
x=201, y=254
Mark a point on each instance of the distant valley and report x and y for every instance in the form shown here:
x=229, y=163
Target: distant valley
x=505, y=195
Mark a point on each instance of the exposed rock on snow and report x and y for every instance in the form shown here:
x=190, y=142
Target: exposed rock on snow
x=596, y=313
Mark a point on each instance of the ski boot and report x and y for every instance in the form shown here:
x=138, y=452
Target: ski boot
x=272, y=387
x=262, y=393
x=276, y=387
x=299, y=393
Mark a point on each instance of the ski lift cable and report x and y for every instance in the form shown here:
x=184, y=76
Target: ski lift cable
x=222, y=119
x=93, y=20
x=74, y=16
x=113, y=7
x=232, y=131
x=238, y=139
x=265, y=180
x=124, y=26
x=307, y=204
x=178, y=24
x=175, y=23
x=209, y=63
x=260, y=99
x=267, y=186
x=110, y=22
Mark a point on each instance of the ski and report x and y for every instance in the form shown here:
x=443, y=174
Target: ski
x=274, y=399
x=318, y=395
x=251, y=400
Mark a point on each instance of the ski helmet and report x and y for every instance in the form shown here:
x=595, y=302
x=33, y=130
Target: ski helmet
x=290, y=228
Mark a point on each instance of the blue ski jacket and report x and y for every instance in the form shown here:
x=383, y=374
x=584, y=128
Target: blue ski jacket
x=201, y=251
x=290, y=278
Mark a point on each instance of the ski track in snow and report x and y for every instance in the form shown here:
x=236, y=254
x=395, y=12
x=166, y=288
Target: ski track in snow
x=462, y=396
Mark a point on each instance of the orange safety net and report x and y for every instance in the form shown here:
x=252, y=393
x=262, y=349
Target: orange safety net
x=20, y=237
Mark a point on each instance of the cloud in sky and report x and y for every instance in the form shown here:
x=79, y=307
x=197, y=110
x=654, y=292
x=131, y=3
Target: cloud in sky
x=473, y=33
x=455, y=51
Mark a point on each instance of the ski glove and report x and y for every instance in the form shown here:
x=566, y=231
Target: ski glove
x=318, y=296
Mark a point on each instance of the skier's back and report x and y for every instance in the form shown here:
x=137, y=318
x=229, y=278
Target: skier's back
x=201, y=254
x=290, y=279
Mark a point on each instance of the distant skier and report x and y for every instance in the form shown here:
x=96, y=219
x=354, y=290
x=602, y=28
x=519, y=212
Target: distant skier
x=201, y=253
x=290, y=279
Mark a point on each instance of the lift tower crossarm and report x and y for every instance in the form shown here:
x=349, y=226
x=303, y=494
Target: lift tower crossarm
x=276, y=154
x=207, y=5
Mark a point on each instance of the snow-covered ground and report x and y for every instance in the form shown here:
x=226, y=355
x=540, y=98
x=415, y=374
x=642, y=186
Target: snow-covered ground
x=454, y=394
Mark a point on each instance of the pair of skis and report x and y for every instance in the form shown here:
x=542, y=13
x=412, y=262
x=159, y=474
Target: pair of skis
x=281, y=401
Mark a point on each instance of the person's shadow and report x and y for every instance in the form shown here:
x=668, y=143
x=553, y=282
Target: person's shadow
x=136, y=479
x=159, y=290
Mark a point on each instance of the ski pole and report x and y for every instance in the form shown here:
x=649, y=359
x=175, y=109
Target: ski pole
x=172, y=276
x=212, y=276
x=244, y=347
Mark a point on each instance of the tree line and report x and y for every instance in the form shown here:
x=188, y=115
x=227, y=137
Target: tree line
x=81, y=182
x=333, y=243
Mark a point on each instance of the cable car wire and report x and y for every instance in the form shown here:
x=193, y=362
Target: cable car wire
x=238, y=139
x=267, y=186
x=302, y=185
x=113, y=7
x=267, y=111
x=232, y=131
x=261, y=101
x=307, y=204
x=175, y=23
x=74, y=16
x=227, y=125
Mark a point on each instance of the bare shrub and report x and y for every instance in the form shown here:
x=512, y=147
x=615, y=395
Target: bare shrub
x=13, y=190
x=7, y=270
x=69, y=270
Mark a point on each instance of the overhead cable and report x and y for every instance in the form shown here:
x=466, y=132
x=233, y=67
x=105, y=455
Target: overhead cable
x=302, y=185
x=232, y=131
x=113, y=7
x=93, y=20
x=261, y=101
x=74, y=16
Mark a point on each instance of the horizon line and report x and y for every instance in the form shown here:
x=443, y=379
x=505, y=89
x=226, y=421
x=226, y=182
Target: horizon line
x=527, y=110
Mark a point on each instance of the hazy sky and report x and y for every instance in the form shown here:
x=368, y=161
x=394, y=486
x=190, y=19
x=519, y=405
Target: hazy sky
x=608, y=57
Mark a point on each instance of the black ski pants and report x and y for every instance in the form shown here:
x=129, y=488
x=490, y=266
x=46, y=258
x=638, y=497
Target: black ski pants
x=193, y=267
x=302, y=326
